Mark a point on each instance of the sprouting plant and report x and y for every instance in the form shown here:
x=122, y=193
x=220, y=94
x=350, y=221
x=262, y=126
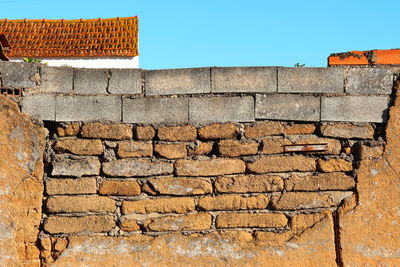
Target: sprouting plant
x=32, y=60
x=299, y=65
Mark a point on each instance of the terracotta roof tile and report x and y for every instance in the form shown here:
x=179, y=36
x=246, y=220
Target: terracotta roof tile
x=72, y=38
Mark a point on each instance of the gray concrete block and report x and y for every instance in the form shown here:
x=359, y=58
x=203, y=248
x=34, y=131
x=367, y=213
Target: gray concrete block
x=221, y=109
x=354, y=108
x=56, y=80
x=125, y=81
x=88, y=108
x=311, y=80
x=369, y=81
x=40, y=106
x=244, y=80
x=288, y=107
x=155, y=110
x=177, y=81
x=19, y=74
x=91, y=81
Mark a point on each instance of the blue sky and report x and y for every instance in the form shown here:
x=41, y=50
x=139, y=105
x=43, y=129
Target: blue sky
x=188, y=33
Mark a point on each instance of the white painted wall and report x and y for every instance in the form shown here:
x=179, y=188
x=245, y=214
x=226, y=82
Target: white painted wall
x=91, y=62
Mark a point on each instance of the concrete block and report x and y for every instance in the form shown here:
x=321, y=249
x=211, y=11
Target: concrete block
x=88, y=108
x=19, y=74
x=91, y=81
x=40, y=106
x=56, y=80
x=354, y=108
x=125, y=81
x=221, y=109
x=177, y=81
x=311, y=80
x=288, y=107
x=155, y=110
x=244, y=80
x=369, y=81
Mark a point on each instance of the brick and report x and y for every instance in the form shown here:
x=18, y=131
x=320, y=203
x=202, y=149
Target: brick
x=159, y=205
x=133, y=149
x=334, y=165
x=369, y=81
x=235, y=220
x=295, y=107
x=244, y=80
x=349, y=58
x=235, y=148
x=249, y=184
x=299, y=129
x=91, y=81
x=71, y=186
x=367, y=152
x=80, y=146
x=177, y=186
x=18, y=74
x=144, y=133
x=311, y=80
x=347, y=130
x=76, y=166
x=70, y=204
x=155, y=110
x=70, y=225
x=177, y=133
x=274, y=145
x=221, y=109
x=171, y=151
x=71, y=129
x=301, y=222
x=177, y=81
x=233, y=202
x=211, y=167
x=219, y=131
x=354, y=108
x=190, y=222
x=56, y=80
x=119, y=188
x=106, y=131
x=125, y=81
x=264, y=129
x=88, y=108
x=309, y=200
x=282, y=164
x=129, y=225
x=40, y=106
x=136, y=167
x=200, y=148
x=325, y=181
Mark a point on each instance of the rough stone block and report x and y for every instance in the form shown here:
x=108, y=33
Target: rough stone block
x=114, y=131
x=178, y=186
x=19, y=75
x=299, y=129
x=264, y=129
x=136, y=167
x=133, y=149
x=91, y=81
x=311, y=80
x=41, y=106
x=244, y=80
x=325, y=181
x=88, y=108
x=70, y=129
x=211, y=167
x=347, y=130
x=155, y=110
x=171, y=151
x=221, y=109
x=354, y=108
x=119, y=188
x=75, y=166
x=288, y=107
x=177, y=133
x=80, y=146
x=200, y=148
x=125, y=81
x=282, y=164
x=236, y=220
x=144, y=133
x=69, y=225
x=67, y=186
x=71, y=204
x=190, y=222
x=233, y=202
x=159, y=205
x=219, y=131
x=235, y=148
x=56, y=80
x=369, y=81
x=249, y=184
x=177, y=81
x=334, y=165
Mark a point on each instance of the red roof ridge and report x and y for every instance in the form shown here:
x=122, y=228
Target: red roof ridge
x=66, y=20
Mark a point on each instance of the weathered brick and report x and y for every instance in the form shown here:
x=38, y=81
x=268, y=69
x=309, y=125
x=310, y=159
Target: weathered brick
x=90, y=81
x=71, y=129
x=235, y=220
x=69, y=225
x=325, y=181
x=40, y=106
x=234, y=148
x=369, y=81
x=282, y=164
x=133, y=149
x=249, y=184
x=219, y=131
x=367, y=152
x=301, y=222
x=56, y=80
x=136, y=167
x=159, y=205
x=106, y=131
x=129, y=225
x=80, y=146
x=347, y=130
x=178, y=186
x=201, y=148
x=171, y=151
x=292, y=129
x=209, y=167
x=69, y=204
x=125, y=81
x=233, y=202
x=71, y=186
x=274, y=145
x=177, y=133
x=190, y=222
x=76, y=166
x=309, y=200
x=334, y=165
x=144, y=133
x=264, y=129
x=119, y=188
